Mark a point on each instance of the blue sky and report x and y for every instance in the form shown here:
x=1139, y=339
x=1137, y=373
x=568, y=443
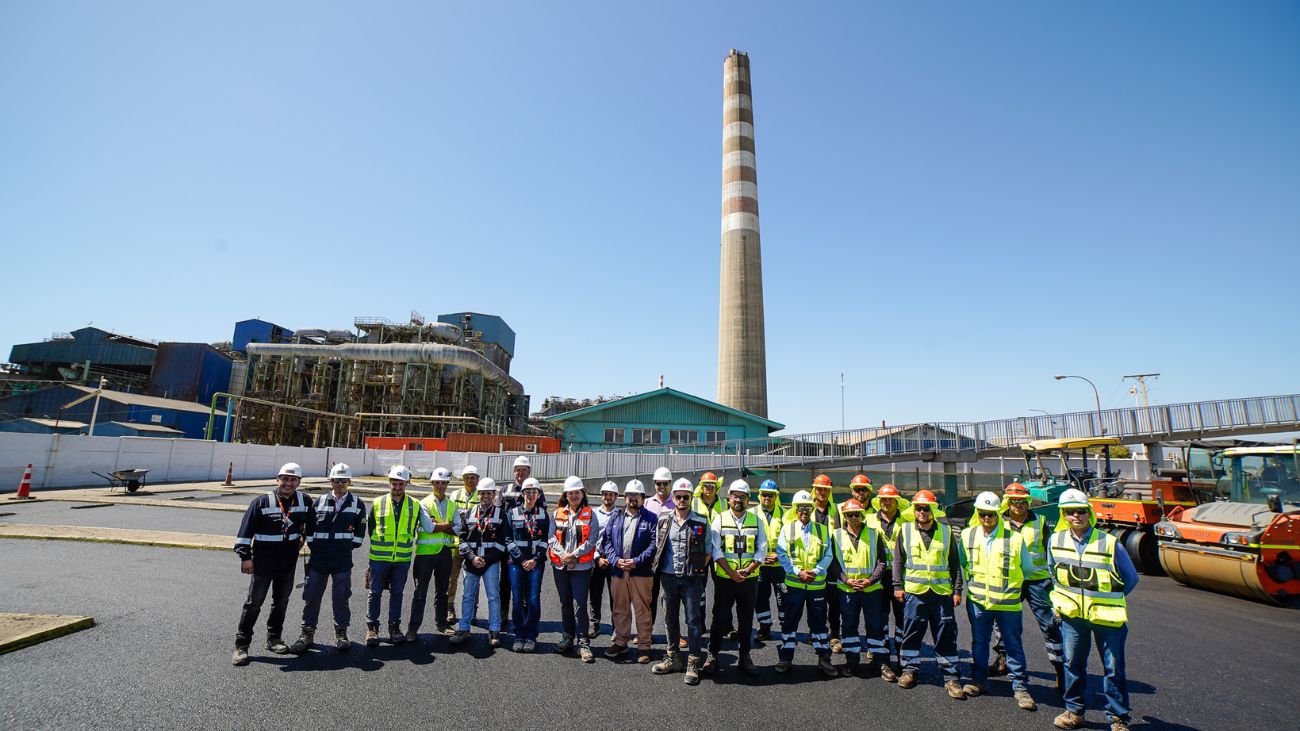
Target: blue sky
x=957, y=199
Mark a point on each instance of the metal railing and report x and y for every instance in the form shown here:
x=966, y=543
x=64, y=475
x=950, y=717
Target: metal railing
x=941, y=441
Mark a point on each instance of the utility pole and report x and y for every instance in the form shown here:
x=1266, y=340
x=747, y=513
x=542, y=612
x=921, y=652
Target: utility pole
x=1141, y=379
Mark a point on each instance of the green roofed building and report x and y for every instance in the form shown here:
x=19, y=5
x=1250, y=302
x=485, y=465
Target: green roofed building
x=664, y=417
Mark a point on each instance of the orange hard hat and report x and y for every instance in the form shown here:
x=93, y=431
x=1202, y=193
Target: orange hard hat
x=887, y=490
x=1016, y=489
x=924, y=497
x=822, y=481
x=852, y=506
x=860, y=480
x=709, y=477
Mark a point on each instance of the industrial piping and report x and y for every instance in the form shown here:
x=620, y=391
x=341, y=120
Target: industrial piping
x=437, y=353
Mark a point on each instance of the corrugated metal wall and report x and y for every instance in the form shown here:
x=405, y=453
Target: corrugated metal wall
x=87, y=344
x=189, y=372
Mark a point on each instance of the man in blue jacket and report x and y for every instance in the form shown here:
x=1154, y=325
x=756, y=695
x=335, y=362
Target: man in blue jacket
x=340, y=530
x=628, y=543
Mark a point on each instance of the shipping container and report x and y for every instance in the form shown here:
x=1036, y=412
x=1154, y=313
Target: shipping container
x=461, y=442
x=411, y=444
x=189, y=372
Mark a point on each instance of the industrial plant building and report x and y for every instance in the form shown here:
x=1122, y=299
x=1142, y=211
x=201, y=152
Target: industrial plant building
x=47, y=411
x=661, y=417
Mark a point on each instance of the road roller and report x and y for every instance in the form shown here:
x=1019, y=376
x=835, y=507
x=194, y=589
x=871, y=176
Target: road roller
x=1245, y=541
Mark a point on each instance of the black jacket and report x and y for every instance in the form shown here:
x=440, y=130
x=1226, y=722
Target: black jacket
x=340, y=530
x=523, y=542
x=481, y=536
x=273, y=530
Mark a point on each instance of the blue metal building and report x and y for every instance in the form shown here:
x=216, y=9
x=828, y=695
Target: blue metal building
x=124, y=360
x=36, y=425
x=662, y=417
x=258, y=331
x=189, y=372
x=497, y=337
x=189, y=418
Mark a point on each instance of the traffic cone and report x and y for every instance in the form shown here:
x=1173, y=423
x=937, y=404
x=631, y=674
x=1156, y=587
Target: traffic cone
x=25, y=487
x=230, y=476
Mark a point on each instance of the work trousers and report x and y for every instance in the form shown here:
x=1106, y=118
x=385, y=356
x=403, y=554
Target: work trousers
x=503, y=595
x=573, y=588
x=598, y=592
x=390, y=575
x=1010, y=625
x=630, y=595
x=280, y=586
x=490, y=580
x=893, y=608
x=771, y=583
x=726, y=595
x=936, y=612
x=869, y=608
x=314, y=591
x=796, y=600
x=1077, y=636
x=654, y=596
x=833, y=608
x=454, y=581
x=1037, y=594
x=435, y=567
x=526, y=587
x=684, y=592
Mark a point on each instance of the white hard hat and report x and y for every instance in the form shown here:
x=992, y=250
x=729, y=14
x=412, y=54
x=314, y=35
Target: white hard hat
x=341, y=471
x=988, y=501
x=1073, y=499
x=634, y=487
x=531, y=484
x=522, y=461
x=684, y=485
x=803, y=497
x=663, y=475
x=609, y=486
x=487, y=484
x=399, y=472
x=292, y=469
x=469, y=470
x=441, y=474
x=573, y=482
x=739, y=486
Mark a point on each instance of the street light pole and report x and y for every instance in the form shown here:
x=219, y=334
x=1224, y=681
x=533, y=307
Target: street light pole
x=1095, y=394
x=1050, y=419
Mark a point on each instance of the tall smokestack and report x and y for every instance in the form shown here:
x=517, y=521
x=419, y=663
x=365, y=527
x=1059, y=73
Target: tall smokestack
x=742, y=352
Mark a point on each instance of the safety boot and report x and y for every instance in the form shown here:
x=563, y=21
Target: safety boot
x=972, y=690
x=341, y=641
x=395, y=633
x=671, y=663
x=584, y=650
x=593, y=630
x=692, y=670
x=1118, y=724
x=276, y=645
x=782, y=666
x=240, y=658
x=566, y=644
x=837, y=646
x=372, y=634
x=412, y=634
x=764, y=632
x=304, y=641
x=459, y=638
x=746, y=664
x=999, y=666
x=1068, y=719
x=824, y=665
x=887, y=673
x=710, y=663
x=954, y=690
x=1025, y=701
x=907, y=679
x=494, y=639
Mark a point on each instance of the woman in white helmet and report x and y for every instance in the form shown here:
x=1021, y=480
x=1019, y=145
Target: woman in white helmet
x=573, y=552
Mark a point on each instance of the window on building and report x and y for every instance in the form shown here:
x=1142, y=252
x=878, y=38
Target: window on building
x=647, y=436
x=715, y=436
x=683, y=436
x=613, y=436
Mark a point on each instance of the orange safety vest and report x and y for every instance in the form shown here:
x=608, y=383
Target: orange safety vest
x=565, y=521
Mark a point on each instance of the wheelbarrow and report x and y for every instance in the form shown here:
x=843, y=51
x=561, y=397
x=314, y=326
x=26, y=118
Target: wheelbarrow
x=130, y=480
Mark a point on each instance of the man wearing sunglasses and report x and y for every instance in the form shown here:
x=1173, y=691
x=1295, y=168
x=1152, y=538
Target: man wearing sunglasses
x=340, y=530
x=1038, y=582
x=996, y=563
x=1091, y=576
x=927, y=577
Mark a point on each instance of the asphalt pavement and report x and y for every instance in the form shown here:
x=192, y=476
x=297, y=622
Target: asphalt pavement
x=159, y=656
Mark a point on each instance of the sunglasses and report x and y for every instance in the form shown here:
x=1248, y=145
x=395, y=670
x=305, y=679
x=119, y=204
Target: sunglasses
x=662, y=483
x=1075, y=511
x=921, y=508
x=986, y=514
x=339, y=480
x=681, y=497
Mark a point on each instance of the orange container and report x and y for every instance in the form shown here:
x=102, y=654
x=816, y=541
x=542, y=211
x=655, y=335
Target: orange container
x=461, y=442
x=413, y=444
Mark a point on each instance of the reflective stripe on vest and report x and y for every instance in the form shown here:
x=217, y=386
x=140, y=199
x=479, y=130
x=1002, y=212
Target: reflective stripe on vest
x=857, y=557
x=1085, y=584
x=393, y=540
x=994, y=577
x=890, y=536
x=926, y=568
x=1035, y=534
x=806, y=558
x=427, y=544
x=565, y=521
x=527, y=548
x=771, y=525
x=739, y=542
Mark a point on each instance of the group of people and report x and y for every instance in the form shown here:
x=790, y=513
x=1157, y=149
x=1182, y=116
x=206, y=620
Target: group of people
x=852, y=567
